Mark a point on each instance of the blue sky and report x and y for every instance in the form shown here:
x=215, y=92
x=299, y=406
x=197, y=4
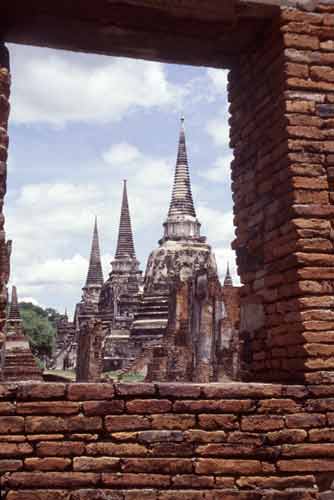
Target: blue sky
x=82, y=123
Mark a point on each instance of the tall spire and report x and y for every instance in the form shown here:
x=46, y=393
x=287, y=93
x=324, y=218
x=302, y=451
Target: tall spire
x=182, y=200
x=228, y=279
x=95, y=274
x=125, y=245
x=14, y=311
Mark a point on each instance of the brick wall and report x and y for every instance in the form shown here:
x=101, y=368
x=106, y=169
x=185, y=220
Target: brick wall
x=4, y=247
x=166, y=442
x=282, y=132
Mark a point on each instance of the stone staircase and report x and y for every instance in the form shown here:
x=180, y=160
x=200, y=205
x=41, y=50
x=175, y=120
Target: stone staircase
x=152, y=317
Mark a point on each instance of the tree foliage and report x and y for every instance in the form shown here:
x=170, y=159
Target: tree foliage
x=40, y=326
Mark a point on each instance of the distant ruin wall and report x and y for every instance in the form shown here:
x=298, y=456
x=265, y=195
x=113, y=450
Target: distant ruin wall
x=166, y=441
x=282, y=132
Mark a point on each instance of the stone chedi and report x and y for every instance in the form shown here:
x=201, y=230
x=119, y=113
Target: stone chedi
x=182, y=251
x=64, y=357
x=18, y=362
x=120, y=294
x=91, y=291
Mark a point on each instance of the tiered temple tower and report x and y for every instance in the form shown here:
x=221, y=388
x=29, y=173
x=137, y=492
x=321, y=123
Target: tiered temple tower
x=91, y=291
x=182, y=251
x=19, y=363
x=119, y=298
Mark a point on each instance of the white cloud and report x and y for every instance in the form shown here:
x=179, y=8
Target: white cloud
x=219, y=131
x=221, y=170
x=121, y=154
x=57, y=88
x=218, y=78
x=217, y=225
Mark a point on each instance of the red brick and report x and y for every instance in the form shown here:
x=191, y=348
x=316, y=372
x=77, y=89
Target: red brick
x=218, y=422
x=113, y=449
x=15, y=449
x=40, y=391
x=278, y=406
x=276, y=482
x=95, y=464
x=221, y=466
x=84, y=392
x=242, y=390
x=308, y=450
x=170, y=421
x=103, y=407
x=226, y=406
x=129, y=480
x=10, y=465
x=11, y=425
x=286, y=436
x=305, y=421
x=7, y=409
x=158, y=465
x=126, y=422
x=83, y=423
x=39, y=495
x=199, y=436
x=51, y=479
x=97, y=494
x=47, y=464
x=149, y=406
x=262, y=423
x=192, y=481
x=306, y=465
x=123, y=389
x=179, y=390
x=46, y=424
x=47, y=408
x=54, y=449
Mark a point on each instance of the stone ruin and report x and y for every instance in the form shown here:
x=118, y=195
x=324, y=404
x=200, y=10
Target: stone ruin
x=139, y=316
x=244, y=441
x=18, y=362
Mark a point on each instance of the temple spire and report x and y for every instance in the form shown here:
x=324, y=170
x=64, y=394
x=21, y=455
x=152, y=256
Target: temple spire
x=228, y=279
x=95, y=274
x=125, y=245
x=14, y=311
x=182, y=200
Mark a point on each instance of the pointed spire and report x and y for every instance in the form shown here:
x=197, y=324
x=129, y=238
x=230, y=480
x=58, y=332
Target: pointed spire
x=14, y=311
x=228, y=279
x=125, y=245
x=182, y=200
x=95, y=275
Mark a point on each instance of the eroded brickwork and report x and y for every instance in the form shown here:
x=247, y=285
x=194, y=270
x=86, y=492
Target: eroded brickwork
x=4, y=246
x=282, y=131
x=166, y=441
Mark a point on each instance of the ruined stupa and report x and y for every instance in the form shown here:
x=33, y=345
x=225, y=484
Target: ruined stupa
x=182, y=251
x=19, y=362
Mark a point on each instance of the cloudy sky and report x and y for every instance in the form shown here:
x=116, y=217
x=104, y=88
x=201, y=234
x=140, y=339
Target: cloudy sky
x=82, y=123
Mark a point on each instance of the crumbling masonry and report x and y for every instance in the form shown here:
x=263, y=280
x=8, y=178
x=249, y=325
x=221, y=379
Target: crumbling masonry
x=233, y=441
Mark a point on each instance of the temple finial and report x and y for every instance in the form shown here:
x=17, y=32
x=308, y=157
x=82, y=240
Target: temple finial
x=182, y=200
x=95, y=274
x=228, y=279
x=14, y=311
x=125, y=245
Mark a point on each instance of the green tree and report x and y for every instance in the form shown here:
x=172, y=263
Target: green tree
x=39, y=328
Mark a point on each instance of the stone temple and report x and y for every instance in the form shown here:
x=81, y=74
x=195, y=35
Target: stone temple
x=18, y=361
x=141, y=316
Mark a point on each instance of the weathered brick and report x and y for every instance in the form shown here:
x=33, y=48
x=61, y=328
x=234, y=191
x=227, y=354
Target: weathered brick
x=83, y=423
x=261, y=423
x=142, y=389
x=199, y=436
x=306, y=465
x=116, y=449
x=95, y=464
x=15, y=450
x=221, y=466
x=149, y=406
x=39, y=495
x=278, y=406
x=160, y=436
x=224, y=406
x=84, y=392
x=103, y=407
x=218, y=422
x=179, y=390
x=7, y=408
x=193, y=481
x=126, y=422
x=47, y=408
x=158, y=465
x=39, y=391
x=97, y=494
x=173, y=422
x=47, y=464
x=11, y=425
x=61, y=449
x=129, y=480
x=51, y=479
x=305, y=421
x=46, y=424
x=10, y=465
